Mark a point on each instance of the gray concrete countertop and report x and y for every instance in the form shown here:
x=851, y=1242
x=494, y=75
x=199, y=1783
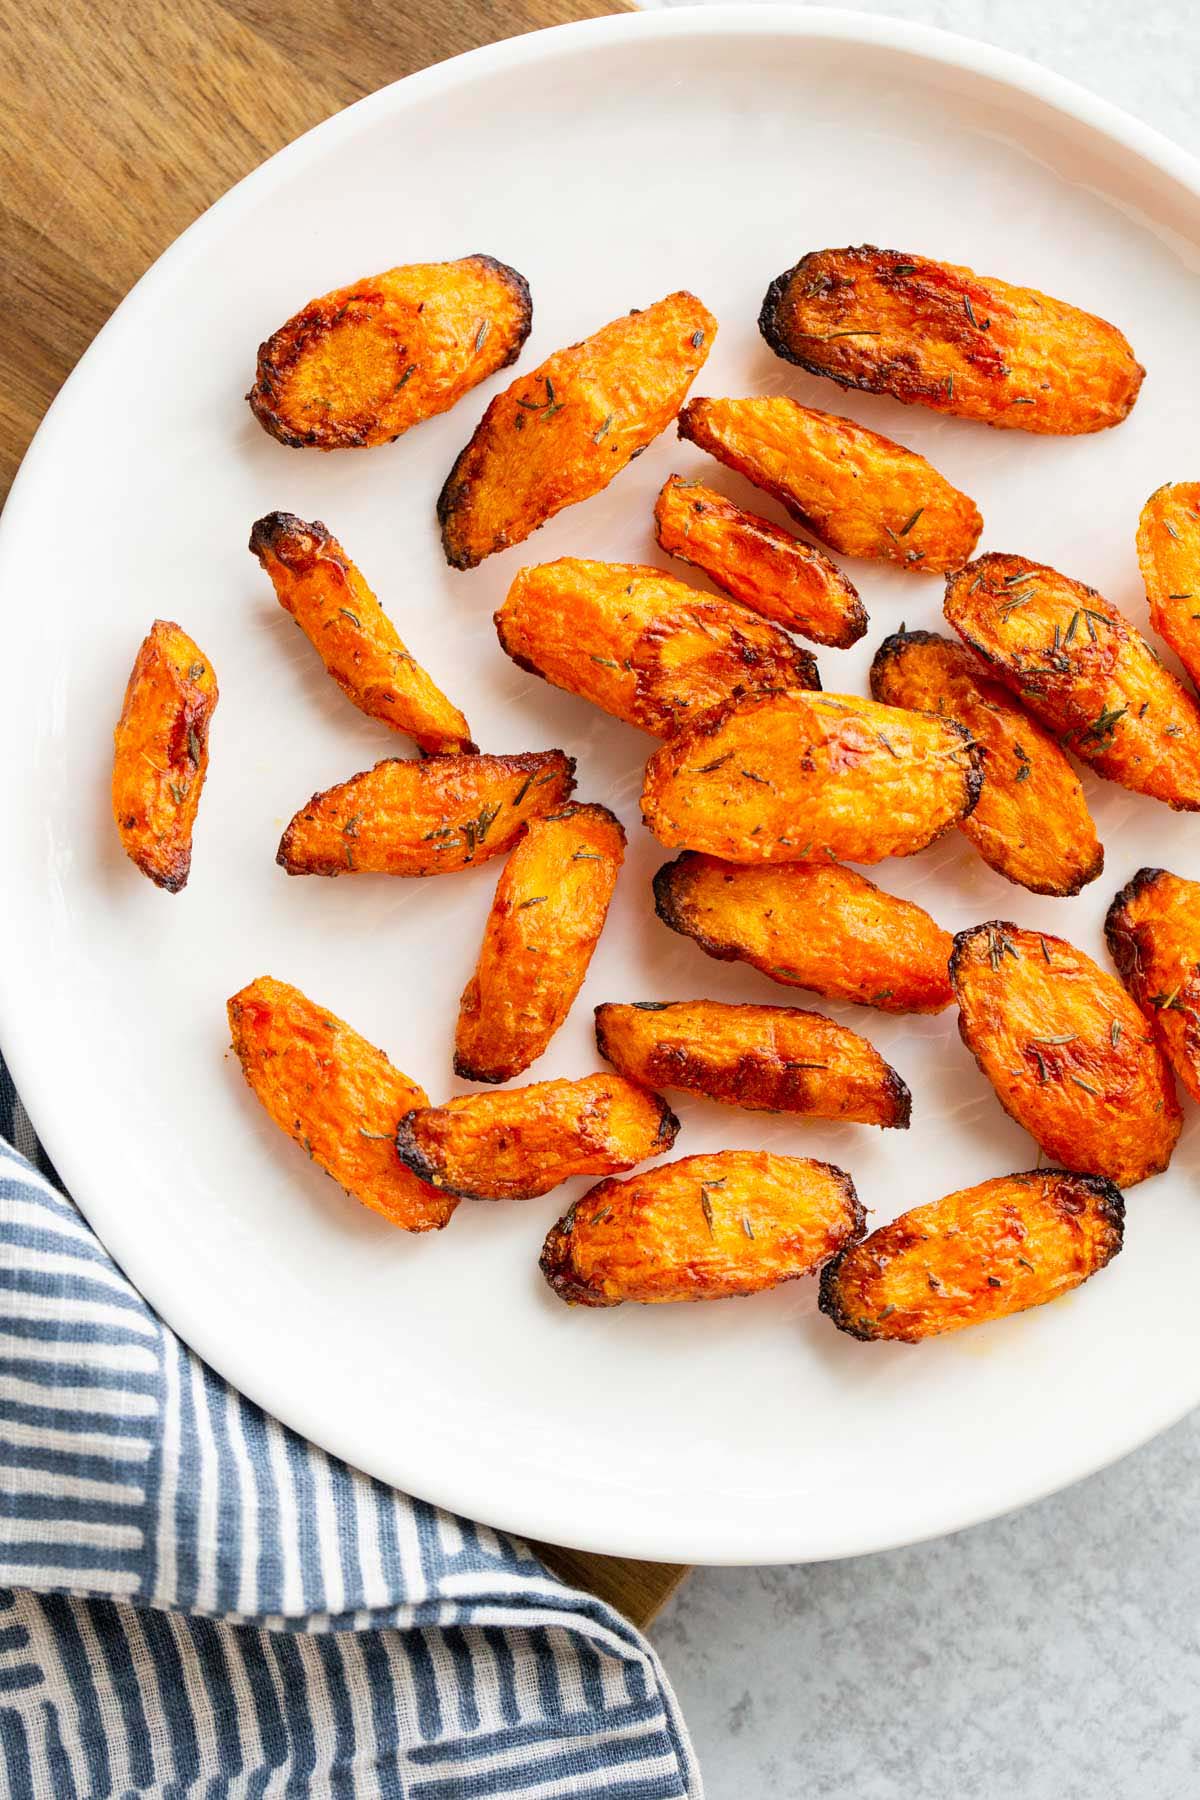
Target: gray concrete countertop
x=1053, y=1655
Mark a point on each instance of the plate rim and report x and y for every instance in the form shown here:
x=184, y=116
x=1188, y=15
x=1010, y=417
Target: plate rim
x=25, y=1049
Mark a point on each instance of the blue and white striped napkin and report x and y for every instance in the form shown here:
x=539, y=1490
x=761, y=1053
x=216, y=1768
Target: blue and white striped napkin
x=193, y=1600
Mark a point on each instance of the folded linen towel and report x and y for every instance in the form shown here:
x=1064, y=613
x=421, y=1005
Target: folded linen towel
x=194, y=1600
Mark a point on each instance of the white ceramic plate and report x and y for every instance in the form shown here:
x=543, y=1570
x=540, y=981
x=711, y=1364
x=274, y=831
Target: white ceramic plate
x=611, y=162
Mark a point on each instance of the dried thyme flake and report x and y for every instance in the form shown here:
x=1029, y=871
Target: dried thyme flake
x=999, y=946
x=476, y=829
x=547, y=407
x=1103, y=727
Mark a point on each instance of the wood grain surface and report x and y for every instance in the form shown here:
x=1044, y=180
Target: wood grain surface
x=123, y=120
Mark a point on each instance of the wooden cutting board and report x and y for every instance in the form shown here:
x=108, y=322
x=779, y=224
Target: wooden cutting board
x=125, y=119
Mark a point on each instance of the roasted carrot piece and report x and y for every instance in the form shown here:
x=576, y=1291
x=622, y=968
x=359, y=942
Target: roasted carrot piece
x=519, y=1142
x=317, y=583
x=784, y=777
x=424, y=818
x=770, y=571
x=703, y=1228
x=811, y=925
x=1066, y=1050
x=979, y=1254
x=335, y=1095
x=549, y=910
x=1168, y=548
x=1153, y=931
x=1031, y=823
x=1084, y=671
x=566, y=429
x=764, y=1058
x=361, y=365
x=942, y=336
x=859, y=492
x=645, y=647
x=160, y=753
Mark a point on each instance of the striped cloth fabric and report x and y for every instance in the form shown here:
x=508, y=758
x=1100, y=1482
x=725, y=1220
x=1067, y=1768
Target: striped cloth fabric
x=193, y=1600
